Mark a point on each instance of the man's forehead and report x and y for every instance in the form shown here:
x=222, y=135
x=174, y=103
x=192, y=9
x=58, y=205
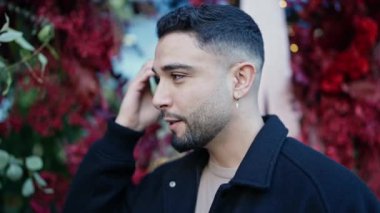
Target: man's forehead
x=181, y=48
x=176, y=41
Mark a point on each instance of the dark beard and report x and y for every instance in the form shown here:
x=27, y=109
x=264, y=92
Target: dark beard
x=205, y=123
x=201, y=130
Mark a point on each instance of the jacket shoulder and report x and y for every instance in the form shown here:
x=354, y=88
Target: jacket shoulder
x=339, y=188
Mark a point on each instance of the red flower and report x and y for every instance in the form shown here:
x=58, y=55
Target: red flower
x=75, y=152
x=348, y=65
x=139, y=174
x=42, y=202
x=76, y=119
x=365, y=34
x=74, y=156
x=336, y=81
x=81, y=25
x=14, y=123
x=143, y=152
x=39, y=118
x=332, y=83
x=196, y=2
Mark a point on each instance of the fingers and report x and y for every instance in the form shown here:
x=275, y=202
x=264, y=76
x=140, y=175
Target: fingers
x=142, y=78
x=147, y=66
x=137, y=110
x=146, y=70
x=139, y=86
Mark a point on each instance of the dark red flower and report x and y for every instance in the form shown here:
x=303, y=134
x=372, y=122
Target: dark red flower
x=366, y=31
x=76, y=151
x=74, y=155
x=42, y=202
x=336, y=82
x=332, y=83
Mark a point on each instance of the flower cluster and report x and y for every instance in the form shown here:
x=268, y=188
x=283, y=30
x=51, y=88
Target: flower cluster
x=56, y=113
x=337, y=82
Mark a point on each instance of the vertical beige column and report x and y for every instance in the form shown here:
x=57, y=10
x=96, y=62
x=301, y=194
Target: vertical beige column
x=275, y=94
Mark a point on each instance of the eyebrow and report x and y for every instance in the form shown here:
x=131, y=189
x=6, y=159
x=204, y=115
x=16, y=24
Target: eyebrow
x=171, y=67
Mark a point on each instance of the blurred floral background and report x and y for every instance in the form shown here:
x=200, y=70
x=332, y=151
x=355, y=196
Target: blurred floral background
x=60, y=80
x=55, y=64
x=335, y=60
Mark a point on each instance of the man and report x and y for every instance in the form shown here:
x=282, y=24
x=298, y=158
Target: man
x=209, y=62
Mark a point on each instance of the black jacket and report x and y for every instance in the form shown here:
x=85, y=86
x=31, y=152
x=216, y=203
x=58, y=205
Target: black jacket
x=278, y=174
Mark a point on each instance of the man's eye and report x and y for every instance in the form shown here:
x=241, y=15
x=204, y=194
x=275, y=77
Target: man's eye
x=177, y=77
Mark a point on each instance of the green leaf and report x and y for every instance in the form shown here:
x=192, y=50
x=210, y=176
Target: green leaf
x=37, y=147
x=24, y=43
x=14, y=172
x=116, y=3
x=46, y=33
x=4, y=159
x=16, y=161
x=8, y=82
x=34, y=163
x=52, y=51
x=43, y=60
x=27, y=188
x=27, y=57
x=39, y=180
x=28, y=98
x=49, y=191
x=5, y=27
x=24, y=54
x=10, y=35
x=2, y=64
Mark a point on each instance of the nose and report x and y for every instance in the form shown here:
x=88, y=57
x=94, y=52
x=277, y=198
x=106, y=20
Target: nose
x=162, y=99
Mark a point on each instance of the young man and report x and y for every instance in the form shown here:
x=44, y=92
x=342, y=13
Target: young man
x=209, y=62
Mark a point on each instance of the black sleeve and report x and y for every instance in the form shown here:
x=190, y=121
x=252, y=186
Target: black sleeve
x=104, y=176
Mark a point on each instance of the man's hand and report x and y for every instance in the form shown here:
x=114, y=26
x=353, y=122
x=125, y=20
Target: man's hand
x=137, y=111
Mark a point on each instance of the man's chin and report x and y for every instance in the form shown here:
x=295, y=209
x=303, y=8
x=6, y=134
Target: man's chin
x=181, y=145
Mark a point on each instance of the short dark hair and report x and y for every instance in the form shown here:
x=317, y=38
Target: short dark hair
x=222, y=29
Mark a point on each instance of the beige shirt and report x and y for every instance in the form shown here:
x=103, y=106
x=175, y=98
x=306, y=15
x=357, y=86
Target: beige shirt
x=212, y=177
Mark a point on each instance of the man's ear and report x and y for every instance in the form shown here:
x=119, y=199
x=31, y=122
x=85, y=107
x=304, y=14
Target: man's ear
x=244, y=75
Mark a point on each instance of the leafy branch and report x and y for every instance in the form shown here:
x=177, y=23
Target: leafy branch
x=13, y=169
x=27, y=52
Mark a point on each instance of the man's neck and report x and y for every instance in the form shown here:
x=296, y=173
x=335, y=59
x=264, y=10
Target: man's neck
x=230, y=146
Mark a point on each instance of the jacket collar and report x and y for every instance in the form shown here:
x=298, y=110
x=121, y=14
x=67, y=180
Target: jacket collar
x=257, y=167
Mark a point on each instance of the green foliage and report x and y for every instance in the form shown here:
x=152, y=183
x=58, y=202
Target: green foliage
x=27, y=52
x=12, y=168
x=46, y=33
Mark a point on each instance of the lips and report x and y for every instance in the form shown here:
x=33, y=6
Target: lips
x=170, y=121
x=173, y=123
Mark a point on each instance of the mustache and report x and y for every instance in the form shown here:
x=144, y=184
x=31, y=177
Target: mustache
x=172, y=115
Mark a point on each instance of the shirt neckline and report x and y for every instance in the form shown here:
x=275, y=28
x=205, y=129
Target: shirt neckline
x=221, y=172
